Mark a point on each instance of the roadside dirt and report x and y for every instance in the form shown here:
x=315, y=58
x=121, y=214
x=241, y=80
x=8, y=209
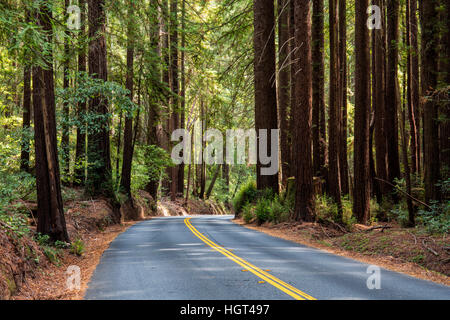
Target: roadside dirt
x=408, y=251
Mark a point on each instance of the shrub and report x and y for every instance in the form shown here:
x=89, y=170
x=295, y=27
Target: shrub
x=246, y=194
x=262, y=210
x=278, y=212
x=77, y=247
x=247, y=213
x=436, y=220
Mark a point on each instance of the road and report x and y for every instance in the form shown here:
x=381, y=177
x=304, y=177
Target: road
x=211, y=258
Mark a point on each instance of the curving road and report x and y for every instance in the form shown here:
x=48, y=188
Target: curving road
x=211, y=258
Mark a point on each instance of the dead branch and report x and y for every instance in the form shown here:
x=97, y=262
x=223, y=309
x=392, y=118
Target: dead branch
x=429, y=249
x=379, y=227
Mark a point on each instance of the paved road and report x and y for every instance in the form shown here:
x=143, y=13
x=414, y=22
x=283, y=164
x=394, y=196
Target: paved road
x=209, y=257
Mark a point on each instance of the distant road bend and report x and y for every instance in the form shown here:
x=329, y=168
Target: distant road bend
x=211, y=258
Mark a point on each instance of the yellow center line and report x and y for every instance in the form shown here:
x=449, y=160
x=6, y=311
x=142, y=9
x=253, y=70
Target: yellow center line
x=283, y=286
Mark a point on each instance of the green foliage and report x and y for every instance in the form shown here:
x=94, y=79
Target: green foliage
x=262, y=211
x=246, y=194
x=77, y=247
x=248, y=213
x=327, y=210
x=436, y=220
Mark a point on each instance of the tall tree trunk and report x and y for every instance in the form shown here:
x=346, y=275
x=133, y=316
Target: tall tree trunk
x=283, y=86
x=213, y=182
x=128, y=130
x=50, y=214
x=26, y=122
x=430, y=41
x=445, y=125
x=318, y=87
x=392, y=91
x=410, y=87
x=292, y=68
x=65, y=137
x=265, y=92
x=99, y=170
x=343, y=163
x=361, y=190
x=80, y=148
x=183, y=91
x=379, y=99
x=415, y=88
x=174, y=119
x=334, y=179
x=302, y=113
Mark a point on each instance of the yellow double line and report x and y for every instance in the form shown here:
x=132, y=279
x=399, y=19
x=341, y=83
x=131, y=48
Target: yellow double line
x=283, y=286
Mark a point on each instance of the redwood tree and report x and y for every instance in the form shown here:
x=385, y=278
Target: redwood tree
x=302, y=113
x=50, y=213
x=99, y=169
x=265, y=91
x=361, y=193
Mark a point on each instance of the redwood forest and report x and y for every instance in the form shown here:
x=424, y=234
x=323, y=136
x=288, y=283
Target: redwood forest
x=325, y=123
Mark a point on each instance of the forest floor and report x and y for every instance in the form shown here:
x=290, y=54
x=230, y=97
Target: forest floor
x=409, y=251
x=31, y=269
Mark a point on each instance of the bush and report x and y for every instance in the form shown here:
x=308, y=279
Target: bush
x=247, y=213
x=436, y=220
x=278, y=211
x=246, y=194
x=262, y=210
x=77, y=247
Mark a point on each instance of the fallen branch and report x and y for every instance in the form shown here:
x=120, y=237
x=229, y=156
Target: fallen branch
x=415, y=238
x=379, y=227
x=429, y=249
x=405, y=193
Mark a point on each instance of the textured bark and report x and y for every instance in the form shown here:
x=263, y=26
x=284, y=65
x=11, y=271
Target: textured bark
x=292, y=69
x=175, y=112
x=65, y=137
x=361, y=192
x=430, y=40
x=343, y=162
x=182, y=91
x=334, y=180
x=265, y=92
x=445, y=125
x=379, y=99
x=79, y=172
x=318, y=87
x=415, y=88
x=128, y=128
x=412, y=97
x=26, y=120
x=302, y=114
x=213, y=182
x=50, y=214
x=392, y=91
x=283, y=87
x=99, y=170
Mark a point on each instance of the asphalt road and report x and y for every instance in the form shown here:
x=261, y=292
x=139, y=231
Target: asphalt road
x=209, y=258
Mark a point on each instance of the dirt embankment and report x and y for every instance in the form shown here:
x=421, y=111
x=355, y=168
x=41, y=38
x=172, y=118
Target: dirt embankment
x=410, y=251
x=32, y=270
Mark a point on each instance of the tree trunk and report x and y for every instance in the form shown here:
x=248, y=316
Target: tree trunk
x=361, y=190
x=25, y=145
x=302, y=114
x=334, y=180
x=415, y=88
x=50, y=214
x=99, y=170
x=392, y=92
x=343, y=163
x=318, y=84
x=80, y=149
x=430, y=41
x=128, y=130
x=265, y=92
x=65, y=137
x=182, y=92
x=213, y=182
x=445, y=124
x=283, y=86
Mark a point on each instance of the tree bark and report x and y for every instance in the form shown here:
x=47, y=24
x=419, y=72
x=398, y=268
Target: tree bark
x=343, y=163
x=283, y=86
x=334, y=180
x=265, y=92
x=99, y=170
x=392, y=91
x=361, y=191
x=80, y=149
x=51, y=220
x=302, y=114
x=65, y=137
x=430, y=41
x=318, y=84
x=26, y=122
